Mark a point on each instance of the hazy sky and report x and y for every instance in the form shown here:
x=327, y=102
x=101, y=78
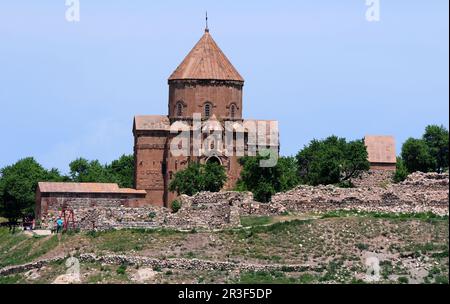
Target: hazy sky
x=70, y=90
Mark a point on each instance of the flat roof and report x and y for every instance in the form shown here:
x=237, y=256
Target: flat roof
x=104, y=188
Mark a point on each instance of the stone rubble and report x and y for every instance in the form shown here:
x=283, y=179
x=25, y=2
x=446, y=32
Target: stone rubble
x=420, y=192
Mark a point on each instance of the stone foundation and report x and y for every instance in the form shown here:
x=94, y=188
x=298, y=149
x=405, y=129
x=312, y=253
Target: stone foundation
x=216, y=214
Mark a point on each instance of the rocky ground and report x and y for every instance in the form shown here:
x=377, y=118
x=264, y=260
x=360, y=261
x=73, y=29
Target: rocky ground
x=338, y=247
x=391, y=233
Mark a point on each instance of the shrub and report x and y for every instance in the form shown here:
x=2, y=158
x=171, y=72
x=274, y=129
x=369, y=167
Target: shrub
x=121, y=270
x=176, y=206
x=401, y=173
x=403, y=280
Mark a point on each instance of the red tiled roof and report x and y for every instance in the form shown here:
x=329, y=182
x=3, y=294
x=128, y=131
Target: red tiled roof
x=152, y=122
x=51, y=187
x=206, y=61
x=381, y=149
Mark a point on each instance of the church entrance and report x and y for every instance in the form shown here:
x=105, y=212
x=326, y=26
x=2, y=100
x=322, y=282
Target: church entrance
x=214, y=160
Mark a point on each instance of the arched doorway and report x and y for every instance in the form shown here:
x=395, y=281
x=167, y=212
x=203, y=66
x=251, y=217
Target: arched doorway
x=214, y=160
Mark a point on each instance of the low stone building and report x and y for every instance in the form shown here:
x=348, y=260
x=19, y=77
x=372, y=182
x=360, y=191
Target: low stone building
x=92, y=206
x=51, y=198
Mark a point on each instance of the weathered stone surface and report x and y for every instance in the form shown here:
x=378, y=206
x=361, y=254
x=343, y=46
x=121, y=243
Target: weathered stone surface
x=154, y=263
x=203, y=211
x=419, y=193
x=374, y=178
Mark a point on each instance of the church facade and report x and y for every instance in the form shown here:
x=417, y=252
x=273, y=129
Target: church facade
x=205, y=104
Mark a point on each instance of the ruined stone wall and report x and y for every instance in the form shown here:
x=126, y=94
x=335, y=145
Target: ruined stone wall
x=374, y=178
x=419, y=193
x=53, y=204
x=199, y=215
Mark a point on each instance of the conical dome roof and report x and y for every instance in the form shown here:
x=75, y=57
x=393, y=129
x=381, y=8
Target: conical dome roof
x=206, y=61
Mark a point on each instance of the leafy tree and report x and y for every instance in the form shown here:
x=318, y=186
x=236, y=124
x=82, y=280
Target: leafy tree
x=120, y=171
x=197, y=178
x=437, y=140
x=123, y=170
x=289, y=177
x=401, y=172
x=18, y=184
x=416, y=156
x=332, y=161
x=265, y=182
x=83, y=171
x=213, y=176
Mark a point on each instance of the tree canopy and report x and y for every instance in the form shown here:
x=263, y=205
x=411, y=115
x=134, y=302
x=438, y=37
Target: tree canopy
x=18, y=184
x=120, y=171
x=332, y=161
x=199, y=177
x=437, y=140
x=429, y=153
x=266, y=181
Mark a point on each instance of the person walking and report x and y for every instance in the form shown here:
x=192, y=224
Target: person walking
x=59, y=225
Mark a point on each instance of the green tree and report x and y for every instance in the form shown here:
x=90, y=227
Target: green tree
x=332, y=161
x=197, y=178
x=213, y=176
x=437, y=140
x=84, y=171
x=416, y=156
x=401, y=172
x=264, y=182
x=289, y=177
x=18, y=184
x=123, y=171
x=120, y=171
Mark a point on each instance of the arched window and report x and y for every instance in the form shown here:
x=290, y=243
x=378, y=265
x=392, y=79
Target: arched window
x=233, y=111
x=208, y=108
x=179, y=109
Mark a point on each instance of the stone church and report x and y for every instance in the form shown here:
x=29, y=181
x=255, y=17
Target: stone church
x=205, y=102
x=204, y=84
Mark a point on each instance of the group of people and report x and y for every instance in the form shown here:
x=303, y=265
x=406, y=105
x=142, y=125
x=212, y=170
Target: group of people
x=56, y=224
x=29, y=222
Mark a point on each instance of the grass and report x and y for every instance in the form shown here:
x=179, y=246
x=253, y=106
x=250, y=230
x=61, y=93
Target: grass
x=429, y=217
x=12, y=279
x=251, y=221
x=19, y=249
x=332, y=245
x=275, y=277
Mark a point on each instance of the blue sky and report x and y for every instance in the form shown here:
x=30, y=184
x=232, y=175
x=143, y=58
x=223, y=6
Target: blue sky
x=70, y=90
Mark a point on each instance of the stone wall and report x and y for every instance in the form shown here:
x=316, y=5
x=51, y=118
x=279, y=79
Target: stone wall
x=175, y=263
x=419, y=193
x=374, y=178
x=216, y=214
